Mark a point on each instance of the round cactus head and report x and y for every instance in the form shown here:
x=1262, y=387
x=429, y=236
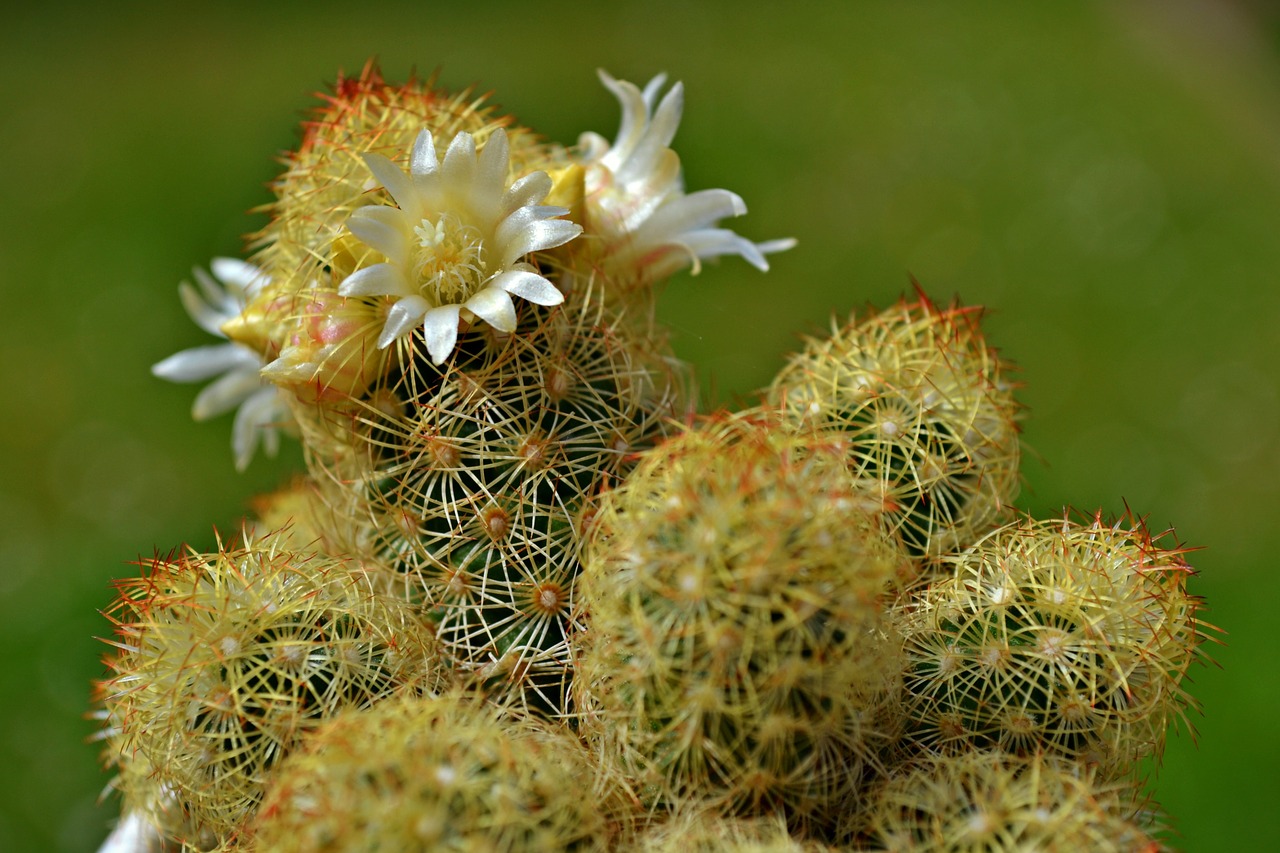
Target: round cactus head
x=732, y=594
x=929, y=412
x=226, y=659
x=1064, y=636
x=326, y=177
x=472, y=480
x=435, y=773
x=996, y=801
x=701, y=831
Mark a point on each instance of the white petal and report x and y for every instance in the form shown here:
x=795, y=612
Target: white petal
x=629, y=207
x=208, y=314
x=402, y=317
x=200, y=363
x=491, y=172
x=225, y=394
x=511, y=229
x=530, y=286
x=650, y=149
x=782, y=244
x=651, y=90
x=593, y=146
x=134, y=834
x=529, y=190
x=713, y=242
x=634, y=117
x=381, y=228
x=459, y=167
x=422, y=160
x=376, y=280
x=257, y=418
x=440, y=330
x=270, y=441
x=494, y=306
x=535, y=237
x=697, y=210
x=389, y=175
x=245, y=277
x=212, y=290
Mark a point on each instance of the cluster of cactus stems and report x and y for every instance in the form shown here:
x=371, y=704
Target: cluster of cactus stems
x=525, y=597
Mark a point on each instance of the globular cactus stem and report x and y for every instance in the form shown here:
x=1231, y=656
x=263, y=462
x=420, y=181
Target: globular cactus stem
x=996, y=801
x=225, y=660
x=524, y=599
x=929, y=413
x=431, y=773
x=1067, y=636
x=732, y=652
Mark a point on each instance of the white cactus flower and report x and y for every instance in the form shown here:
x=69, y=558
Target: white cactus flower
x=220, y=298
x=635, y=194
x=457, y=241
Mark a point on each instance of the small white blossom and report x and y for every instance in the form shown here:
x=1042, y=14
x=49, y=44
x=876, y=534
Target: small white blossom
x=134, y=834
x=220, y=298
x=635, y=192
x=455, y=244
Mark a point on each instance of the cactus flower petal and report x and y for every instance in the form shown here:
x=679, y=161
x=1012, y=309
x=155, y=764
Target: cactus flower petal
x=440, y=330
x=494, y=306
x=635, y=195
x=455, y=239
x=218, y=300
x=404, y=315
x=529, y=286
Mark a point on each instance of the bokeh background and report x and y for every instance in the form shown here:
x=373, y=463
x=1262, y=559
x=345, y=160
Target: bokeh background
x=1105, y=177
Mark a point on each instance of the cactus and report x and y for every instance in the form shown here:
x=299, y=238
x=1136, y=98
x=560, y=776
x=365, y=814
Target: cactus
x=1065, y=636
x=435, y=773
x=225, y=659
x=929, y=411
x=524, y=598
x=994, y=801
x=732, y=652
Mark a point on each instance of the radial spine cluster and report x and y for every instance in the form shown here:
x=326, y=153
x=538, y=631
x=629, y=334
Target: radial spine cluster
x=434, y=773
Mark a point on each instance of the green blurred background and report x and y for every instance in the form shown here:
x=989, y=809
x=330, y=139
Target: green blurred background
x=1106, y=178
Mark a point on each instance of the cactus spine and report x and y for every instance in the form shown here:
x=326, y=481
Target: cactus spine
x=467, y=480
x=709, y=832
x=770, y=630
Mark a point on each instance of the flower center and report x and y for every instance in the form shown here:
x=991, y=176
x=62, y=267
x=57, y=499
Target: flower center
x=448, y=262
